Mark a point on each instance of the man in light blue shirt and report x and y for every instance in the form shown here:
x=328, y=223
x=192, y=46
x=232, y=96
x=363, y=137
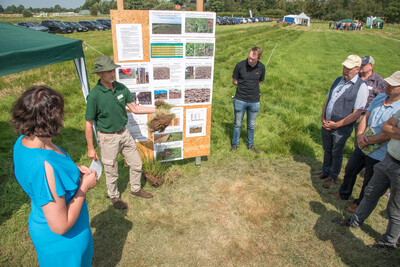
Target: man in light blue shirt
x=345, y=102
x=372, y=145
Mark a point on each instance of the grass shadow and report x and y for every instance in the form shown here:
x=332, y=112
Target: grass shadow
x=109, y=238
x=350, y=249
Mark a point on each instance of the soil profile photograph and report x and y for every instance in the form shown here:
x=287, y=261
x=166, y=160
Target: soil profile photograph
x=144, y=98
x=195, y=129
x=175, y=93
x=167, y=25
x=203, y=72
x=199, y=25
x=161, y=73
x=160, y=94
x=201, y=95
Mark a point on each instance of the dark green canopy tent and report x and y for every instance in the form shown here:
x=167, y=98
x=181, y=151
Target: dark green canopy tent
x=23, y=49
x=378, y=20
x=347, y=20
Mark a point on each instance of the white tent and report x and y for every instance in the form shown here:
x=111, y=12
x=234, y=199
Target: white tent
x=302, y=17
x=297, y=19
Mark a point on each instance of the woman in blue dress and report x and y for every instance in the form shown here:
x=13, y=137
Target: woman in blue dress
x=59, y=218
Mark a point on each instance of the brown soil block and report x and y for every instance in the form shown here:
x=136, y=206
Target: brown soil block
x=160, y=122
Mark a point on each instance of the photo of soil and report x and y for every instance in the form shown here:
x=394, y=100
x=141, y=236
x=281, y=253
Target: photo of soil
x=197, y=95
x=195, y=129
x=160, y=94
x=169, y=154
x=175, y=93
x=167, y=137
x=161, y=73
x=144, y=98
x=199, y=25
x=189, y=73
x=125, y=74
x=203, y=72
x=142, y=75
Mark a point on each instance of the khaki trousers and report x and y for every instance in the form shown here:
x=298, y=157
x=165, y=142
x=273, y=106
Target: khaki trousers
x=110, y=146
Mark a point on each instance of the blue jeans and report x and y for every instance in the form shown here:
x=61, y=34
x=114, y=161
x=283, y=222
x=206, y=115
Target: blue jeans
x=333, y=143
x=386, y=175
x=240, y=108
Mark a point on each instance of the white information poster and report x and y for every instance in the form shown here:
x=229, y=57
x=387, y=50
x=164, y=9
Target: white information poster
x=129, y=42
x=196, y=122
x=137, y=125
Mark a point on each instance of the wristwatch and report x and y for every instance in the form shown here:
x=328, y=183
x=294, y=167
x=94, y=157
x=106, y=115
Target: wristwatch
x=334, y=126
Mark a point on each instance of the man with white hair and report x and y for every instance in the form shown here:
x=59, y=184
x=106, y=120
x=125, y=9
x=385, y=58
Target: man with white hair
x=345, y=102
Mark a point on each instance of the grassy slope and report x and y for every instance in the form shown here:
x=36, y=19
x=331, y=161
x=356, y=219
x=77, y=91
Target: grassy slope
x=237, y=209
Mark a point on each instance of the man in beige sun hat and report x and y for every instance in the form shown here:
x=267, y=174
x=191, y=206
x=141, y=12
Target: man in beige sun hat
x=106, y=105
x=344, y=104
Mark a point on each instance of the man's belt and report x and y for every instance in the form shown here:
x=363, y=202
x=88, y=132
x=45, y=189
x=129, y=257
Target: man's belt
x=394, y=160
x=119, y=132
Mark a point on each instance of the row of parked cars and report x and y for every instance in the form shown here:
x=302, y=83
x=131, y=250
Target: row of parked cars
x=57, y=26
x=236, y=20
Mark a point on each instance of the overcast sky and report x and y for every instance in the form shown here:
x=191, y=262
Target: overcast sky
x=43, y=3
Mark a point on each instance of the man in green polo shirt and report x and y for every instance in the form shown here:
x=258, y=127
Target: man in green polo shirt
x=106, y=106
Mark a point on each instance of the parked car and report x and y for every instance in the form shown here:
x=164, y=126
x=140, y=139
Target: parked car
x=33, y=26
x=92, y=25
x=279, y=21
x=106, y=22
x=76, y=26
x=106, y=27
x=266, y=19
x=56, y=26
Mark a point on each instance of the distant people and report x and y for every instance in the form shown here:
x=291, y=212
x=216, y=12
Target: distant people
x=386, y=175
x=59, y=218
x=106, y=106
x=247, y=76
x=330, y=24
x=372, y=144
x=344, y=104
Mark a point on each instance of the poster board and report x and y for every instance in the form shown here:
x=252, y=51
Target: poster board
x=168, y=55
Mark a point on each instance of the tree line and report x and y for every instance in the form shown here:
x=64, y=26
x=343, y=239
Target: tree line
x=317, y=9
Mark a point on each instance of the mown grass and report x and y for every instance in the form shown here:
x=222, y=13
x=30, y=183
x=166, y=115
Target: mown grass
x=239, y=208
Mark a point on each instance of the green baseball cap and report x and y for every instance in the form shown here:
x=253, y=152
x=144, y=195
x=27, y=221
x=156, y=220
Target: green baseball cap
x=104, y=63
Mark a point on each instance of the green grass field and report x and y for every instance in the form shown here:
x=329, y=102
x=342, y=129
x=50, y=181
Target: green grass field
x=237, y=209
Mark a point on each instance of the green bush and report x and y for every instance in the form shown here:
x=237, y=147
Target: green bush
x=26, y=14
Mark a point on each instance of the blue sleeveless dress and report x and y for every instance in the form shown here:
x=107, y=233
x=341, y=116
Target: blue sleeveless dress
x=74, y=248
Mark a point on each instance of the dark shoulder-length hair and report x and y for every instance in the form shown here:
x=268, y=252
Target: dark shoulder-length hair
x=39, y=111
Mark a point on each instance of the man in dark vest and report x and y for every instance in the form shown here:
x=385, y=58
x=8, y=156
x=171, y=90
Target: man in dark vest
x=345, y=102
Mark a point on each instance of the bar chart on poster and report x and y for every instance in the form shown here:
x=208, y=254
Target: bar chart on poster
x=168, y=55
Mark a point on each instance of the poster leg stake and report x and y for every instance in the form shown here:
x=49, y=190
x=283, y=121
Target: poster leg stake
x=198, y=161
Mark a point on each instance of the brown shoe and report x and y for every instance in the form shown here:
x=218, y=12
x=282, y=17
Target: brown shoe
x=319, y=176
x=118, y=203
x=141, y=193
x=352, y=208
x=329, y=183
x=338, y=196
